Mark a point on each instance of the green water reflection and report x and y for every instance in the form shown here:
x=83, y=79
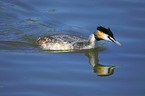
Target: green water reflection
x=93, y=59
x=101, y=70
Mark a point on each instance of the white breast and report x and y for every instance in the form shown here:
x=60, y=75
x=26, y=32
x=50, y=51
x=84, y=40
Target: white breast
x=93, y=42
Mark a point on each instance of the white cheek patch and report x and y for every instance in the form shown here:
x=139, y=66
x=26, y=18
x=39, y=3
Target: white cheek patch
x=105, y=37
x=108, y=38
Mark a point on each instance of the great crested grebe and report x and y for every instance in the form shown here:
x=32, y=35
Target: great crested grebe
x=66, y=42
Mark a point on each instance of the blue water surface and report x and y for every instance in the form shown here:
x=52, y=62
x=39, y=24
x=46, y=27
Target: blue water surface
x=26, y=70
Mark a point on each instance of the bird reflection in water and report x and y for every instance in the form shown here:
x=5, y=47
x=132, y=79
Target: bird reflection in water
x=101, y=70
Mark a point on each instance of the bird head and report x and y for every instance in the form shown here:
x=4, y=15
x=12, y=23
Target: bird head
x=104, y=33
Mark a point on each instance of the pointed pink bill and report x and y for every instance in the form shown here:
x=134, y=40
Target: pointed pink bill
x=113, y=40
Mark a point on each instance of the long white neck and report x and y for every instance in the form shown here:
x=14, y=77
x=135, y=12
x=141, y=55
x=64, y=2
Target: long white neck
x=92, y=41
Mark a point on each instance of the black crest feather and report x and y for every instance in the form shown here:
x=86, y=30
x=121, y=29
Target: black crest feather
x=105, y=30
